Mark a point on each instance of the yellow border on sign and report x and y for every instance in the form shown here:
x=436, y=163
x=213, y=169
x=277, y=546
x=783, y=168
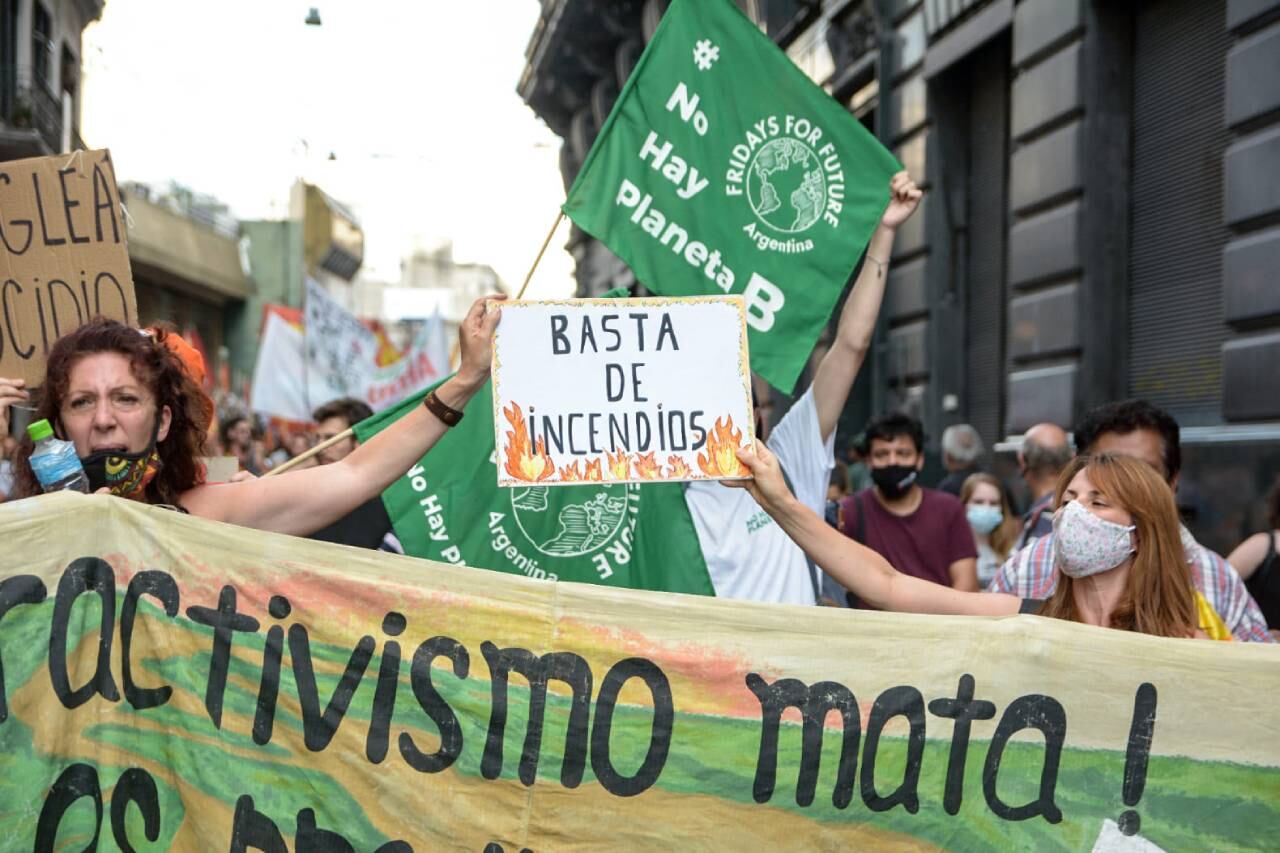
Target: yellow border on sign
x=744, y=374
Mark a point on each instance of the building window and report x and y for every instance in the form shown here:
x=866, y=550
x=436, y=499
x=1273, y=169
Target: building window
x=42, y=44
x=68, y=71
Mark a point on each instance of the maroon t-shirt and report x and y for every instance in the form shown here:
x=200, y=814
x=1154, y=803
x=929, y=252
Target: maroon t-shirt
x=923, y=544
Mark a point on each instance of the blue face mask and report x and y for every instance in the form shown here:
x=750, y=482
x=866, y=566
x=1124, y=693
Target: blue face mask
x=983, y=519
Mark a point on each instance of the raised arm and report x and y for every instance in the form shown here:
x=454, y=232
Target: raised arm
x=839, y=367
x=1250, y=553
x=304, y=501
x=859, y=569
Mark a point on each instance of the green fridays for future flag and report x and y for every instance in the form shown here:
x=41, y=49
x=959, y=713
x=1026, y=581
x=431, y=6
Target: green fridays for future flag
x=723, y=169
x=449, y=508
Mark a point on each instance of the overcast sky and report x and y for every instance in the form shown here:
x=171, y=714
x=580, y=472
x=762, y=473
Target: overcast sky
x=415, y=99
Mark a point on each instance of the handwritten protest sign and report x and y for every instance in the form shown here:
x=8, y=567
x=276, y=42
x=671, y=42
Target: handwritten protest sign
x=341, y=358
x=621, y=390
x=64, y=258
x=173, y=680
x=340, y=350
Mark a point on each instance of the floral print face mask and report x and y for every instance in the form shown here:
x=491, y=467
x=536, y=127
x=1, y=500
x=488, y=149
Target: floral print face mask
x=1084, y=544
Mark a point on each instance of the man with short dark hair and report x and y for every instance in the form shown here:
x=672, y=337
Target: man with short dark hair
x=332, y=420
x=961, y=447
x=1137, y=428
x=1044, y=453
x=921, y=532
x=368, y=525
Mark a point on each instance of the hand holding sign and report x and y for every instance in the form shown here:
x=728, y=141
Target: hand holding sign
x=475, y=339
x=767, y=485
x=11, y=392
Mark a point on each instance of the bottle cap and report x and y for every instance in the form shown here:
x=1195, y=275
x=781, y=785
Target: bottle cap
x=39, y=430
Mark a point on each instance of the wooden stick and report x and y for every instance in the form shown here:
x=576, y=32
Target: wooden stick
x=538, y=260
x=303, y=457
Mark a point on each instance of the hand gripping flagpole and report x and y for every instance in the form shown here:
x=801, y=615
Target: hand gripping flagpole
x=349, y=432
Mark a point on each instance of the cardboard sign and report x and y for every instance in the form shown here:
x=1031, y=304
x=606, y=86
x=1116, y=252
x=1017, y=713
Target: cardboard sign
x=220, y=469
x=64, y=258
x=621, y=390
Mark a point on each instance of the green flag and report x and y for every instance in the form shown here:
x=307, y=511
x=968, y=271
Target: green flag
x=723, y=169
x=448, y=507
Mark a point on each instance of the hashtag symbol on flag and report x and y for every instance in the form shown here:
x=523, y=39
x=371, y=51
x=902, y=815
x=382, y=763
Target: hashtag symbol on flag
x=704, y=54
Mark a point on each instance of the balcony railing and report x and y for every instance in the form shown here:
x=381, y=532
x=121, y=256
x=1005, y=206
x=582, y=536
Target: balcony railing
x=34, y=107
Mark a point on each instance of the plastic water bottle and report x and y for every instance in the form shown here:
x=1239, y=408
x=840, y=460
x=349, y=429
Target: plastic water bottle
x=55, y=462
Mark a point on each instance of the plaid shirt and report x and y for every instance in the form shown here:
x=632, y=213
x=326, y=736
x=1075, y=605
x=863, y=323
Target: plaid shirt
x=1030, y=573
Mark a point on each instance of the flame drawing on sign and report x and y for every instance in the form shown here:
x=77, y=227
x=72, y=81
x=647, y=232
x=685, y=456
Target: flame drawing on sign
x=647, y=468
x=619, y=465
x=677, y=469
x=570, y=473
x=525, y=461
x=721, y=456
x=592, y=474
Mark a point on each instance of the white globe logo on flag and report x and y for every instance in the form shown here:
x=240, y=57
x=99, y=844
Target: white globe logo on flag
x=786, y=186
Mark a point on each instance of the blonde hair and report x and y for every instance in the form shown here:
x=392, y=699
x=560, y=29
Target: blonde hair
x=1158, y=598
x=1006, y=533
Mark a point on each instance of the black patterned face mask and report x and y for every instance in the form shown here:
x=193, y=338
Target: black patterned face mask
x=127, y=475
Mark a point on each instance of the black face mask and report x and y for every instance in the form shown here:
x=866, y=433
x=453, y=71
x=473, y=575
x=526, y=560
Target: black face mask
x=894, y=481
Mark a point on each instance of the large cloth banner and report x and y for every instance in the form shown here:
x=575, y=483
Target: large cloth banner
x=171, y=683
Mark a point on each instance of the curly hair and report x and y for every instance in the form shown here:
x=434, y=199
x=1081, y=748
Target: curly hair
x=155, y=365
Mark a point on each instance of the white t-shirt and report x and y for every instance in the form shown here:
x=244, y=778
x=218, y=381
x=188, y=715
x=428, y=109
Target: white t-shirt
x=747, y=554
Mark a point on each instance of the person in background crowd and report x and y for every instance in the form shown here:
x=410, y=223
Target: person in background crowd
x=856, y=465
x=1138, y=429
x=995, y=527
x=838, y=485
x=961, y=448
x=1121, y=554
x=1045, y=451
x=1257, y=559
x=117, y=393
x=923, y=532
x=237, y=440
x=292, y=446
x=368, y=525
x=832, y=594
x=746, y=556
